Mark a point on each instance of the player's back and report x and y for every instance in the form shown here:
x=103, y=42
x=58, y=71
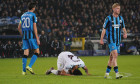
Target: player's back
x=69, y=58
x=27, y=20
x=63, y=56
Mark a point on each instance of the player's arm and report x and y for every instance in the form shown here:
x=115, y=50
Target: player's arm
x=124, y=33
x=124, y=29
x=64, y=73
x=86, y=70
x=104, y=30
x=19, y=28
x=102, y=36
x=35, y=29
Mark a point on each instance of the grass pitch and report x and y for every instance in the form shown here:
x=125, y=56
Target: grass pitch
x=129, y=66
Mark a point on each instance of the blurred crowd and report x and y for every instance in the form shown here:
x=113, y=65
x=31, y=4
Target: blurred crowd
x=71, y=18
x=82, y=18
x=10, y=49
x=13, y=48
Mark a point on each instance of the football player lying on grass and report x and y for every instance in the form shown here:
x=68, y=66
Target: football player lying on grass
x=68, y=64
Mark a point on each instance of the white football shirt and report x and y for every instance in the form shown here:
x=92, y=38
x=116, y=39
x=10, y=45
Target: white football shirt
x=66, y=60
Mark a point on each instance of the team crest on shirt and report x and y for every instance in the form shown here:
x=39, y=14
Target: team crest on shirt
x=120, y=21
x=36, y=19
x=119, y=47
x=112, y=47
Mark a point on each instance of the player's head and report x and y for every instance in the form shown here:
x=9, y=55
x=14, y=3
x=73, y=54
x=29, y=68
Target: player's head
x=31, y=6
x=77, y=72
x=116, y=8
x=42, y=32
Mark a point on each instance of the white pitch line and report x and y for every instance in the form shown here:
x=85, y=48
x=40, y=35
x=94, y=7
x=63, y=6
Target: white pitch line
x=126, y=74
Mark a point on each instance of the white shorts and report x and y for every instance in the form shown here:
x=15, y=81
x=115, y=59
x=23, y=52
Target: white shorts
x=60, y=64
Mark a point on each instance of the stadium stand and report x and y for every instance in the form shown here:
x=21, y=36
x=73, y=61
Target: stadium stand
x=82, y=18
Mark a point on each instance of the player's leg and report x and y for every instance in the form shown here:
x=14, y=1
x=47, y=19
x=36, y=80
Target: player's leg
x=109, y=66
x=25, y=47
x=115, y=63
x=115, y=55
x=114, y=60
x=112, y=47
x=34, y=57
x=52, y=71
x=33, y=45
x=24, y=61
x=110, y=60
x=109, y=63
x=59, y=68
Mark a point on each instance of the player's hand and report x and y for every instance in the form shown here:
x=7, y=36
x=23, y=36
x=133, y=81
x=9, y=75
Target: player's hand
x=38, y=41
x=125, y=35
x=101, y=42
x=88, y=74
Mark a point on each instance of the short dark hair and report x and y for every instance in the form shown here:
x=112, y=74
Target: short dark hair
x=77, y=72
x=31, y=5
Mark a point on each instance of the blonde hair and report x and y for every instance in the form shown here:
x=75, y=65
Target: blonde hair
x=115, y=5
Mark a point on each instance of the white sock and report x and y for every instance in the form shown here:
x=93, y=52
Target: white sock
x=117, y=73
x=107, y=73
x=54, y=72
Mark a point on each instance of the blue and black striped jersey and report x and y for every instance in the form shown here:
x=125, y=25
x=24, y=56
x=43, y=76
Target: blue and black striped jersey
x=113, y=26
x=27, y=20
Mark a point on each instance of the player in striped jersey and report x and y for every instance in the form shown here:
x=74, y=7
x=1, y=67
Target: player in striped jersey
x=27, y=28
x=113, y=26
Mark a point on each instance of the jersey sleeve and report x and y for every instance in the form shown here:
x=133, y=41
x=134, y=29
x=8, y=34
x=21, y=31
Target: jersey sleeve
x=20, y=22
x=106, y=23
x=81, y=65
x=123, y=25
x=34, y=19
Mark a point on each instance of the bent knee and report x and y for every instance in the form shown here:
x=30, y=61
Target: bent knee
x=111, y=57
x=114, y=54
x=37, y=51
x=26, y=52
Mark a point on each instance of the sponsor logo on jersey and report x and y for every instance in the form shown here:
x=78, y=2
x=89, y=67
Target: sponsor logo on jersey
x=112, y=47
x=116, y=26
x=120, y=21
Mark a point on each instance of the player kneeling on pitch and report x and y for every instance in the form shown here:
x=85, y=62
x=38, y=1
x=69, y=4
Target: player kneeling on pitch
x=68, y=64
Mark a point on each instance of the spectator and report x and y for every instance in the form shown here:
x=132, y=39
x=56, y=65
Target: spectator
x=1, y=50
x=48, y=29
x=68, y=42
x=92, y=34
x=77, y=16
x=64, y=15
x=136, y=43
x=96, y=33
x=9, y=50
x=134, y=46
x=60, y=36
x=19, y=51
x=55, y=47
x=43, y=43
